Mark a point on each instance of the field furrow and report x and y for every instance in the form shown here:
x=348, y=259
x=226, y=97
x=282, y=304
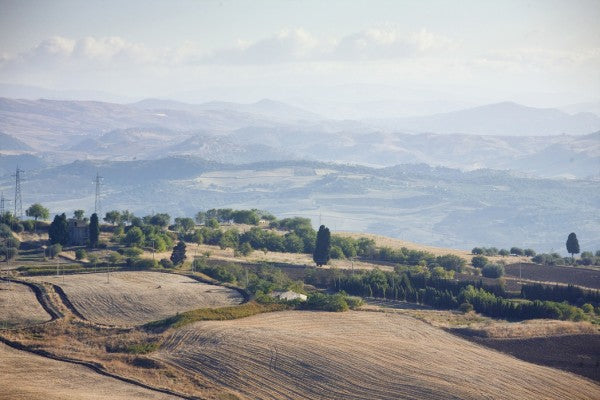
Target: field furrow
x=133, y=298
x=357, y=355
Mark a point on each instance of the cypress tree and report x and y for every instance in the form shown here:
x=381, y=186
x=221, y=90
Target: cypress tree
x=572, y=244
x=94, y=230
x=178, y=255
x=322, y=247
x=59, y=230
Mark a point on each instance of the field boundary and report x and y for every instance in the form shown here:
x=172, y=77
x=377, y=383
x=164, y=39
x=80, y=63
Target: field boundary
x=41, y=296
x=98, y=368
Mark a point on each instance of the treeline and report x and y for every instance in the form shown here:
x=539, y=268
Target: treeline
x=412, y=285
x=570, y=293
x=494, y=251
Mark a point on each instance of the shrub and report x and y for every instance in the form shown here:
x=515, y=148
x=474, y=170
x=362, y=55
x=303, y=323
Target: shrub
x=336, y=252
x=529, y=252
x=587, y=308
x=53, y=250
x=466, y=307
x=166, y=263
x=145, y=263
x=492, y=271
x=479, y=261
x=326, y=302
x=132, y=252
x=516, y=251
x=477, y=250
x=503, y=252
x=80, y=254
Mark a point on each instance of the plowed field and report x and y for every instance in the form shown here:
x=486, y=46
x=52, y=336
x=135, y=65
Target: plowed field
x=132, y=298
x=358, y=355
x=19, y=306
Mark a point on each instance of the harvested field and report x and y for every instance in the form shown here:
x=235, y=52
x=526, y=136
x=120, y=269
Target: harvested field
x=133, y=298
x=589, y=278
x=579, y=354
x=358, y=355
x=25, y=376
x=19, y=306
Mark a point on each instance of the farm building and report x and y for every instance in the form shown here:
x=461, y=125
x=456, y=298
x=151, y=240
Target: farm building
x=79, y=232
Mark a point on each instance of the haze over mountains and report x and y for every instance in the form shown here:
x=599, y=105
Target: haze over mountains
x=431, y=179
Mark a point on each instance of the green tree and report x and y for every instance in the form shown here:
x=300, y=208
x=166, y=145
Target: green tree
x=59, y=230
x=572, y=245
x=134, y=237
x=112, y=217
x=80, y=254
x=78, y=214
x=8, y=252
x=160, y=220
x=53, y=250
x=184, y=225
x=516, y=251
x=492, y=271
x=178, y=255
x=200, y=217
x=37, y=211
x=479, y=261
x=94, y=230
x=321, y=255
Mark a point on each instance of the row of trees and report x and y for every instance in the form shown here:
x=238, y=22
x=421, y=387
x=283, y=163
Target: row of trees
x=494, y=251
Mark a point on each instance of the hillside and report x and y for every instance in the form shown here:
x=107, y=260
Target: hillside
x=434, y=206
x=357, y=355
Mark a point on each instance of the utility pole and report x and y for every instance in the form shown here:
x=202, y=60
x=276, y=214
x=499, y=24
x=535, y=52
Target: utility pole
x=97, y=181
x=18, y=197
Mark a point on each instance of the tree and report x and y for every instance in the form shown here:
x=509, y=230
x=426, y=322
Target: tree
x=54, y=250
x=78, y=214
x=321, y=255
x=492, y=271
x=200, y=217
x=8, y=252
x=178, y=255
x=516, y=251
x=94, y=230
x=59, y=230
x=184, y=225
x=112, y=217
x=160, y=220
x=80, y=254
x=479, y=261
x=37, y=211
x=134, y=237
x=572, y=245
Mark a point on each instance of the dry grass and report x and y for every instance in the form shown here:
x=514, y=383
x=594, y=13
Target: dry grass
x=357, y=355
x=19, y=306
x=534, y=328
x=132, y=298
x=30, y=377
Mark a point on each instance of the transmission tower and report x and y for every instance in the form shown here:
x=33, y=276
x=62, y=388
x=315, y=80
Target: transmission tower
x=97, y=181
x=3, y=202
x=18, y=198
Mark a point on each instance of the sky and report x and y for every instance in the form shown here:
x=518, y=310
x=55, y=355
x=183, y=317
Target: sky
x=540, y=53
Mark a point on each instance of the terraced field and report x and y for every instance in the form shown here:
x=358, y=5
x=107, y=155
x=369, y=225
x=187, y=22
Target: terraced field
x=25, y=376
x=132, y=298
x=19, y=306
x=358, y=355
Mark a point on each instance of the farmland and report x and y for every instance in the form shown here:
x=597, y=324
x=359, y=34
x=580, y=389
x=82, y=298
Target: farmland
x=26, y=376
x=585, y=277
x=356, y=355
x=18, y=306
x=132, y=298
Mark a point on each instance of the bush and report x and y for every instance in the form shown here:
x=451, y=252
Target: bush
x=492, y=271
x=28, y=225
x=466, y=307
x=503, y=252
x=53, y=250
x=166, y=263
x=145, y=263
x=336, y=252
x=587, y=308
x=516, y=251
x=326, y=302
x=479, y=261
x=131, y=252
x=477, y=250
x=80, y=254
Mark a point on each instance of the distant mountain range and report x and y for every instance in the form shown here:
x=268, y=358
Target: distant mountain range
x=505, y=119
x=64, y=131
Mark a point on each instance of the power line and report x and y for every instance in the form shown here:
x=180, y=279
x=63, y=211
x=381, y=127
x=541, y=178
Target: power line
x=18, y=197
x=3, y=202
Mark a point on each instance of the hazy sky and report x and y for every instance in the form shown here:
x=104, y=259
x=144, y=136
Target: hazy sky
x=536, y=52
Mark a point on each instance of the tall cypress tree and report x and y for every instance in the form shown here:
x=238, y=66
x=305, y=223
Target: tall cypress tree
x=572, y=244
x=59, y=230
x=94, y=230
x=322, y=247
x=178, y=255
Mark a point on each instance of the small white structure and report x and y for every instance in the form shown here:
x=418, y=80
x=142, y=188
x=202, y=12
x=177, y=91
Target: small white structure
x=289, y=295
